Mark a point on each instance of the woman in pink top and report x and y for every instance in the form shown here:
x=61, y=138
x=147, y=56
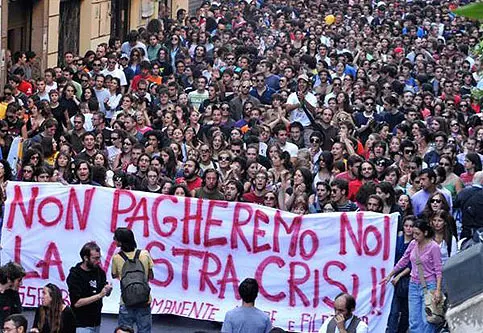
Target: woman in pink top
x=428, y=251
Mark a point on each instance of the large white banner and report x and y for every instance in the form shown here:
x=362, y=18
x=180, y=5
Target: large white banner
x=203, y=249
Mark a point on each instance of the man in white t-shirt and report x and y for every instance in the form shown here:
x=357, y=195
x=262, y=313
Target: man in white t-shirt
x=281, y=134
x=301, y=102
x=115, y=71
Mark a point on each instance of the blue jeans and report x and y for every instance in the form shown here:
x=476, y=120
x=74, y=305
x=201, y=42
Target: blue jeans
x=95, y=329
x=417, y=316
x=141, y=316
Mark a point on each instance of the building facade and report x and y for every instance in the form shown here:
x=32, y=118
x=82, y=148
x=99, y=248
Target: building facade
x=52, y=27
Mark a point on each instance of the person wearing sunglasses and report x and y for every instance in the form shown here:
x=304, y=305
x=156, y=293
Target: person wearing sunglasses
x=366, y=119
x=420, y=199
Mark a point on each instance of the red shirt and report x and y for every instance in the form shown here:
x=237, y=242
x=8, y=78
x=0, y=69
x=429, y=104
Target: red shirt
x=136, y=79
x=26, y=88
x=192, y=185
x=251, y=197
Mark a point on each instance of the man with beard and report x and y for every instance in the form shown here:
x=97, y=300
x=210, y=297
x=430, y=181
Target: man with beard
x=87, y=287
x=366, y=173
x=190, y=175
x=233, y=190
x=257, y=195
x=210, y=190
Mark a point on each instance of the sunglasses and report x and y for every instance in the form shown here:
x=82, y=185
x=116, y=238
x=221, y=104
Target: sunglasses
x=436, y=201
x=269, y=197
x=314, y=140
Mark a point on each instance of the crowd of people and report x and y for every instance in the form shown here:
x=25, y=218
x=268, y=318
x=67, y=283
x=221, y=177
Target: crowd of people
x=304, y=106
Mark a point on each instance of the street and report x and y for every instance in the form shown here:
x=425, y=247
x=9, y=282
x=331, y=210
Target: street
x=161, y=323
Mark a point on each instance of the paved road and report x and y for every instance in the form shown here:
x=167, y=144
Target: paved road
x=161, y=323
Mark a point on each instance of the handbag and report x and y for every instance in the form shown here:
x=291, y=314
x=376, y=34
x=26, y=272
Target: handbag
x=434, y=311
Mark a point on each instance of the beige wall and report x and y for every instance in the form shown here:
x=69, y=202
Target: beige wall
x=95, y=24
x=52, y=45
x=178, y=4
x=135, y=19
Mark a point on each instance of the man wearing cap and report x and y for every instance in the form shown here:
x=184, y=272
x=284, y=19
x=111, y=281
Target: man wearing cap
x=301, y=105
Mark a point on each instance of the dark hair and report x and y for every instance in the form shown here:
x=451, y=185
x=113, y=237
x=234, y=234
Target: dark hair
x=387, y=188
x=11, y=271
x=124, y=328
x=475, y=159
x=248, y=290
x=342, y=184
x=307, y=175
x=18, y=320
x=380, y=202
x=327, y=157
x=424, y=226
x=125, y=237
x=350, y=301
x=450, y=224
x=52, y=314
x=6, y=169
x=87, y=248
x=186, y=191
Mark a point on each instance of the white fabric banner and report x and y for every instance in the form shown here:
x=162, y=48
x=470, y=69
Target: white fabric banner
x=203, y=249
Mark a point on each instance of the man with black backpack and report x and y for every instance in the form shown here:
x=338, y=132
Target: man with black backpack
x=134, y=268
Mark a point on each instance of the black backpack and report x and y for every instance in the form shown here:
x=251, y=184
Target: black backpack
x=135, y=288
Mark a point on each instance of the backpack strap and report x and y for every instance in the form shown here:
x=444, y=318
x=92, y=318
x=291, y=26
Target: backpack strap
x=136, y=255
x=123, y=256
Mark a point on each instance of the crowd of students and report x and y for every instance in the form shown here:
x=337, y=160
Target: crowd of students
x=304, y=106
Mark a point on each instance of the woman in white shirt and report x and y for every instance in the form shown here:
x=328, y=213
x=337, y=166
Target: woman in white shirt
x=441, y=222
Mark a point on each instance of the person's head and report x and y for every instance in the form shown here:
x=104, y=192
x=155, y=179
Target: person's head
x=427, y=178
x=90, y=254
x=124, y=329
x=210, y=179
x=385, y=190
x=83, y=171
x=472, y=162
x=52, y=298
x=191, y=168
x=233, y=189
x=344, y=305
x=15, y=323
x=367, y=171
x=124, y=239
x=374, y=203
x=339, y=188
x=248, y=290
x=422, y=231
x=180, y=190
x=408, y=224
x=12, y=274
